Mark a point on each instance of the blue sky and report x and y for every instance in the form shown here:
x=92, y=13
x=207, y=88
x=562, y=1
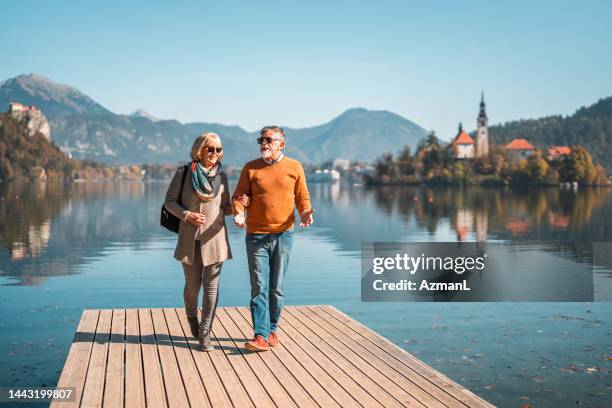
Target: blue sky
x=303, y=63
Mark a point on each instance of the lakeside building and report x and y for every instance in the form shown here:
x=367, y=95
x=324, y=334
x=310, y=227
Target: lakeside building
x=519, y=149
x=324, y=176
x=558, y=152
x=466, y=147
x=343, y=164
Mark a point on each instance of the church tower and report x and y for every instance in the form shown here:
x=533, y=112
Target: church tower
x=482, y=132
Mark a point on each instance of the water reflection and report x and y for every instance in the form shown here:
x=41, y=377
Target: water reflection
x=49, y=229
x=52, y=228
x=473, y=213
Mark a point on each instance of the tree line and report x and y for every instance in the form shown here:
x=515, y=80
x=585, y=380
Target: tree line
x=589, y=126
x=434, y=162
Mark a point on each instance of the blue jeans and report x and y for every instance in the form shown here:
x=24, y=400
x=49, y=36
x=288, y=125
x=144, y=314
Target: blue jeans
x=268, y=257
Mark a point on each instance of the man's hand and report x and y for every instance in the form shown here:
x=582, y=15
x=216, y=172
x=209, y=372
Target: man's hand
x=306, y=218
x=239, y=220
x=196, y=219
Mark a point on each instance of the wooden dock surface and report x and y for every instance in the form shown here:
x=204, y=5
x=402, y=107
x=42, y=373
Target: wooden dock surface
x=146, y=358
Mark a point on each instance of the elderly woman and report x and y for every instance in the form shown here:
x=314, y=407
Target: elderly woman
x=201, y=203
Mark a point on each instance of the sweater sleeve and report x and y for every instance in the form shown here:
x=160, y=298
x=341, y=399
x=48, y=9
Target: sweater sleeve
x=302, y=196
x=243, y=187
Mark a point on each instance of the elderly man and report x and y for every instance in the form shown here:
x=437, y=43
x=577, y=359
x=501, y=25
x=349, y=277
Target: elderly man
x=275, y=185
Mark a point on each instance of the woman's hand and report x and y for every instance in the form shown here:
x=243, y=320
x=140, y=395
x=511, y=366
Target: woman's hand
x=244, y=200
x=195, y=219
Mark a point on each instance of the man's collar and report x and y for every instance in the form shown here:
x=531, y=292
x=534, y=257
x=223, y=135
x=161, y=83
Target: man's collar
x=271, y=162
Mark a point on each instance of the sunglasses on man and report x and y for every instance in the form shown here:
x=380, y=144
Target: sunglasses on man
x=212, y=149
x=266, y=139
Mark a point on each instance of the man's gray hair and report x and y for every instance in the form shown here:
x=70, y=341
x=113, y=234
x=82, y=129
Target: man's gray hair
x=276, y=129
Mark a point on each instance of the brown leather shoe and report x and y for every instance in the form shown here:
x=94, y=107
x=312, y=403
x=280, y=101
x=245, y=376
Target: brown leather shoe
x=257, y=344
x=273, y=340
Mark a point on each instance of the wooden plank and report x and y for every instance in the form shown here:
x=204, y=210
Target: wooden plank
x=330, y=362
x=114, y=375
x=458, y=391
x=326, y=381
x=134, y=376
x=175, y=388
x=402, y=375
x=300, y=372
x=79, y=336
x=405, y=391
x=75, y=369
x=155, y=389
x=394, y=351
x=289, y=393
x=230, y=381
x=206, y=369
x=143, y=358
x=94, y=384
x=368, y=377
x=189, y=372
x=248, y=379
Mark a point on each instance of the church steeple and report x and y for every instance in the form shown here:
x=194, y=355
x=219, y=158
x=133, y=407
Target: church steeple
x=482, y=113
x=482, y=131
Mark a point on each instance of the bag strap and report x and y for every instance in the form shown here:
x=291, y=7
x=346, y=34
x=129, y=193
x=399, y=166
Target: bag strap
x=185, y=170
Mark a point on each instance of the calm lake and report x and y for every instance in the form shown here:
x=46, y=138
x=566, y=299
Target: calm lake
x=66, y=247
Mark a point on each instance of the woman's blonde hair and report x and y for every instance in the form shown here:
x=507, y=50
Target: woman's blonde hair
x=202, y=141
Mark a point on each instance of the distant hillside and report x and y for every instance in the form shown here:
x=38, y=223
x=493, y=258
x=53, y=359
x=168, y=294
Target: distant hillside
x=28, y=152
x=87, y=130
x=357, y=134
x=53, y=99
x=120, y=139
x=22, y=154
x=589, y=126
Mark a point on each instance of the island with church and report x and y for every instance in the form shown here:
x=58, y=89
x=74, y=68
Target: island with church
x=472, y=159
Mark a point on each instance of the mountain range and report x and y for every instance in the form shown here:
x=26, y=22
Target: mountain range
x=52, y=98
x=87, y=130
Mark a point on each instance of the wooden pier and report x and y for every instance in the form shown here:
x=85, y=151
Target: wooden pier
x=146, y=358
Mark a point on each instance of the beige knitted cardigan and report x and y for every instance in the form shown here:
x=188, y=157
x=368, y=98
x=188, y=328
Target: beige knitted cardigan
x=213, y=234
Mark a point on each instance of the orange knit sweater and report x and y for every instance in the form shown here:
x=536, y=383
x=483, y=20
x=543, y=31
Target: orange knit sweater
x=275, y=191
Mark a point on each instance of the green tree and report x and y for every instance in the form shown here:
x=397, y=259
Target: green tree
x=404, y=162
x=579, y=167
x=386, y=168
x=537, y=167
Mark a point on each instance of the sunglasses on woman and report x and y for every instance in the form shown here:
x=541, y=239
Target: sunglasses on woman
x=266, y=139
x=212, y=149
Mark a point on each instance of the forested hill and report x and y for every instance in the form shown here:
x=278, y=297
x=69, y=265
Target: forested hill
x=22, y=154
x=589, y=126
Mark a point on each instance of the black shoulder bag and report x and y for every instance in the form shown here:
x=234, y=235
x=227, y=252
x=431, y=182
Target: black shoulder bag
x=167, y=219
